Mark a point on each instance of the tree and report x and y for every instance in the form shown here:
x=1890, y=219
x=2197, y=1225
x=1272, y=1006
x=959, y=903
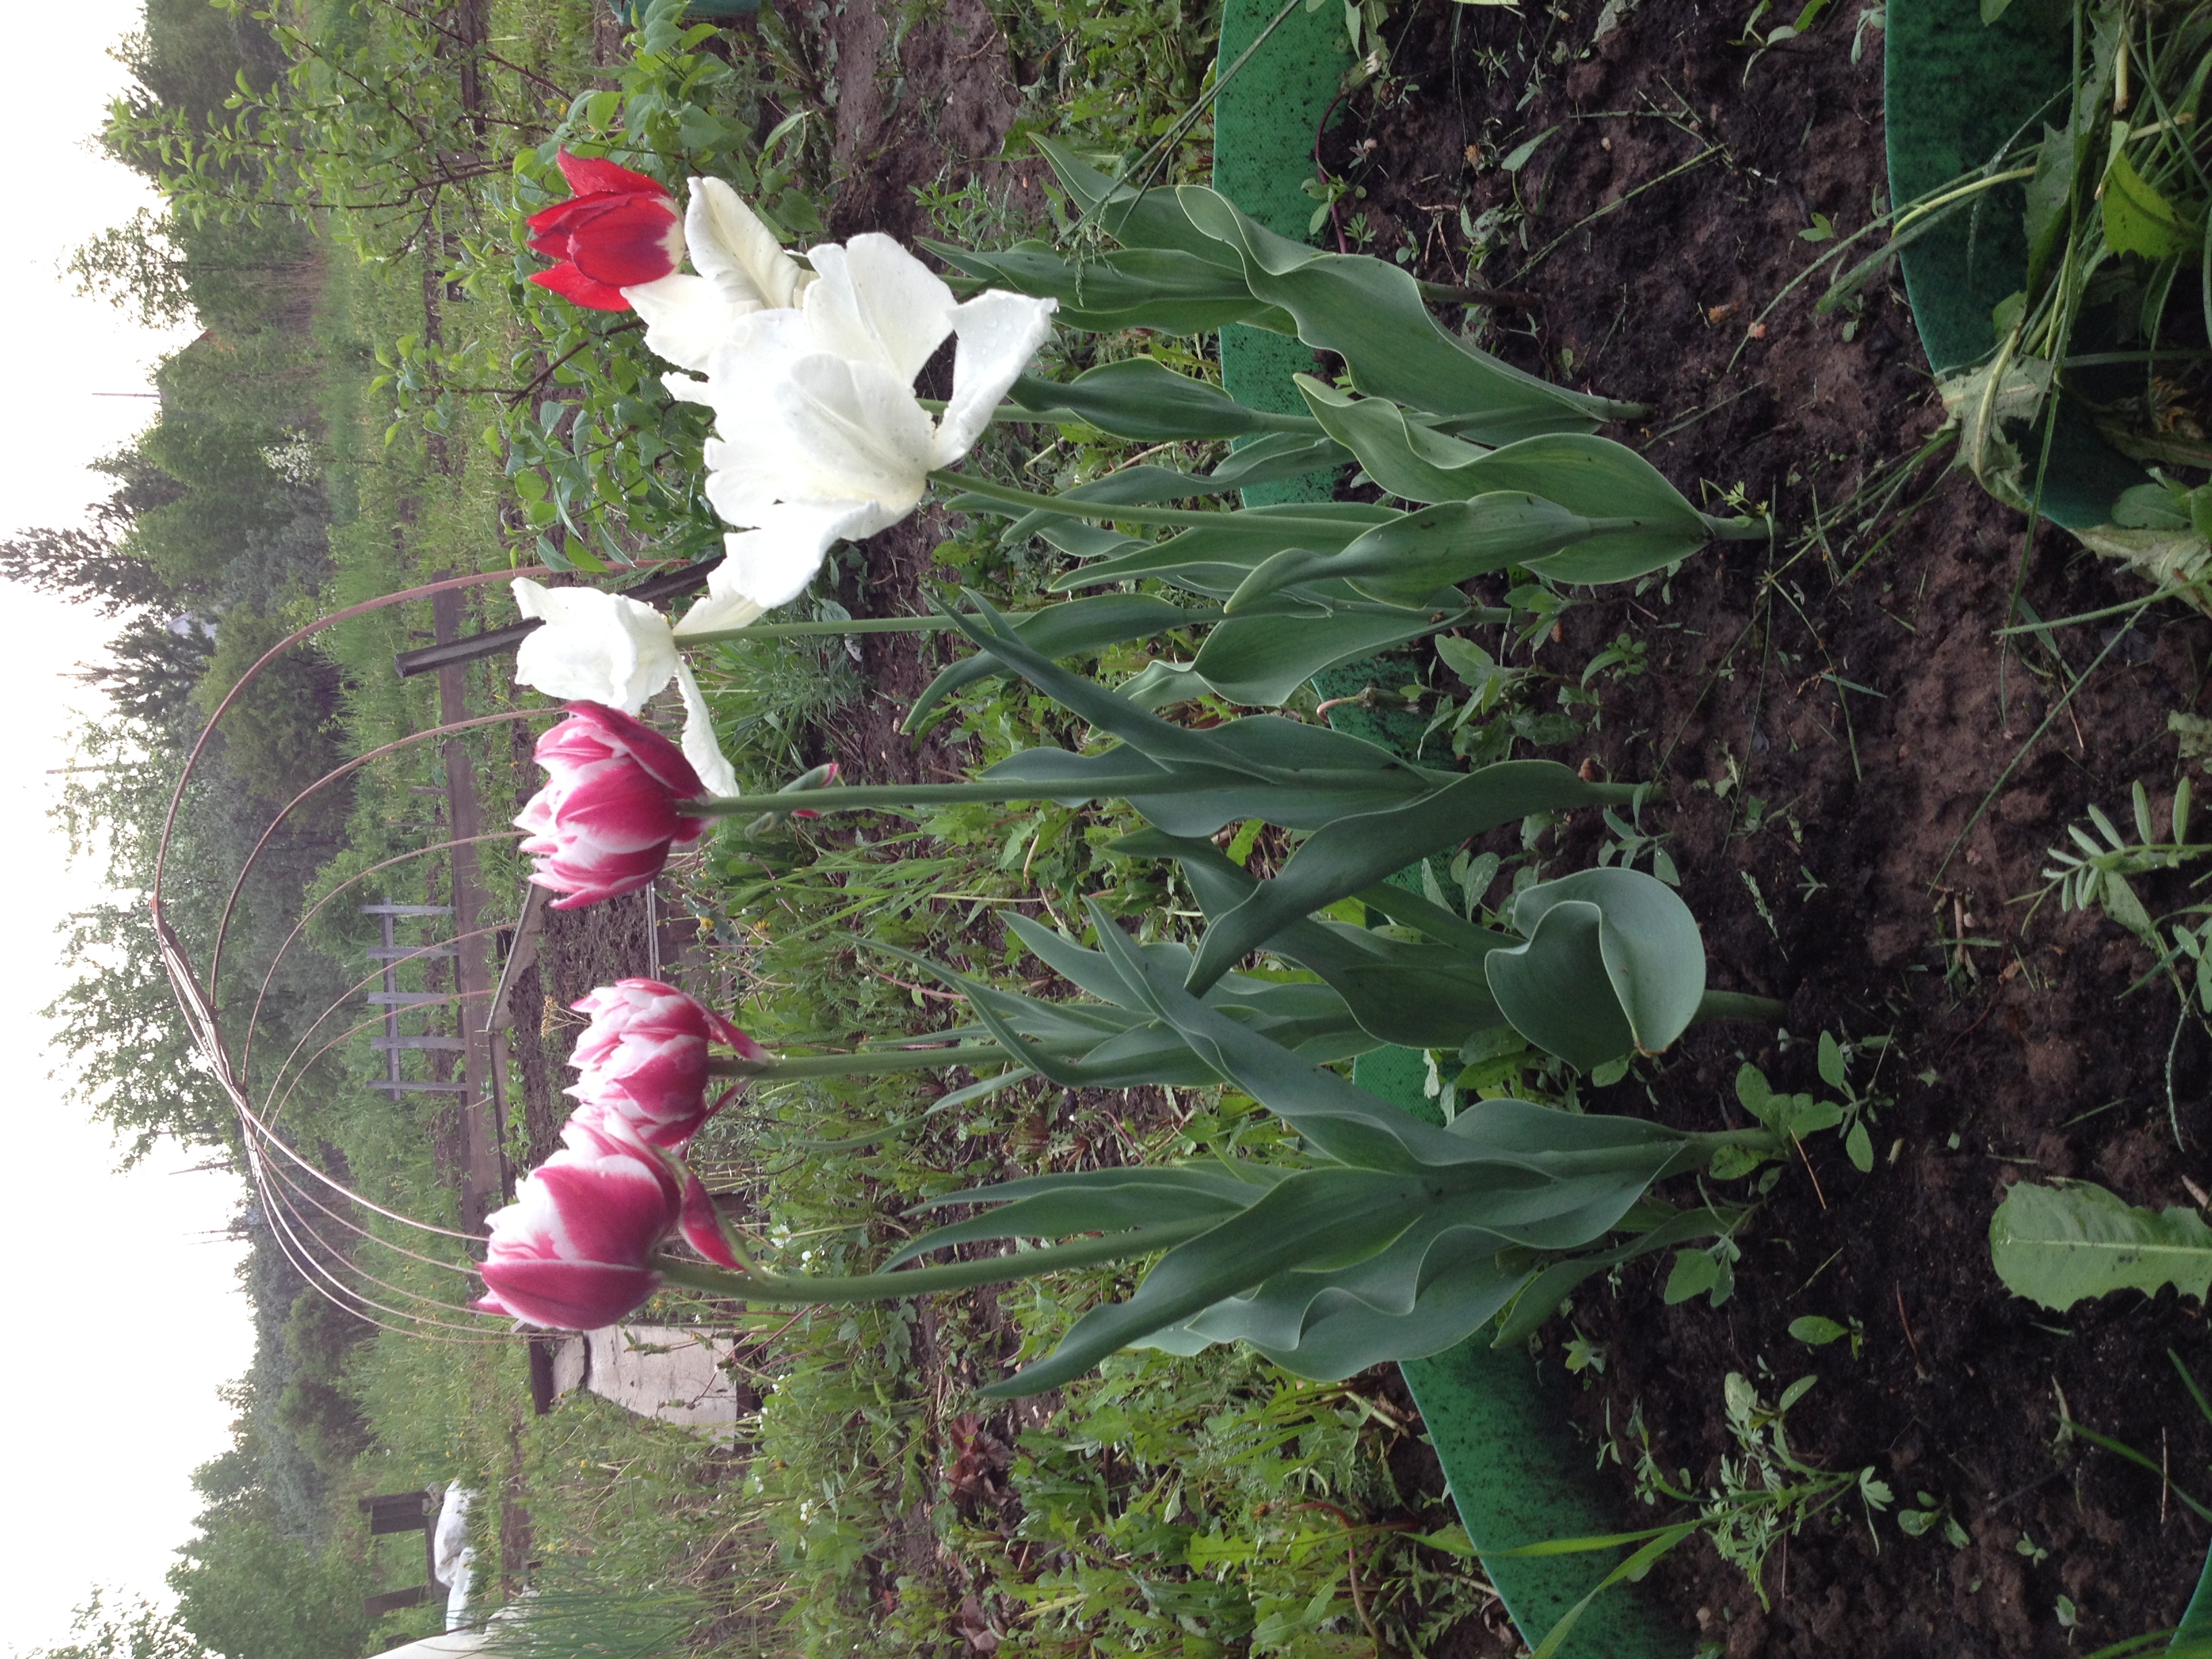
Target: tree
x=124, y=1628
x=247, y=1591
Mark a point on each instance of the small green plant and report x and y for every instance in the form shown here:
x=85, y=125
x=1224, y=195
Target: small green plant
x=1815, y=1331
x=1764, y=1493
x=1932, y=1515
x=2098, y=875
x=1799, y=1115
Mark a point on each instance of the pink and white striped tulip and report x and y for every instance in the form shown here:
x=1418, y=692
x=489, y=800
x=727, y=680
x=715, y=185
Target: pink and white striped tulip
x=606, y=820
x=572, y=1252
x=644, y=1058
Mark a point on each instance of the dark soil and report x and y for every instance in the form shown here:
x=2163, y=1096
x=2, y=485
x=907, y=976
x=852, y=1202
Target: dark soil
x=1889, y=830
x=1837, y=853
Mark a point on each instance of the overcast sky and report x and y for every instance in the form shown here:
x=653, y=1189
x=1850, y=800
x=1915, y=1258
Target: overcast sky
x=128, y=1313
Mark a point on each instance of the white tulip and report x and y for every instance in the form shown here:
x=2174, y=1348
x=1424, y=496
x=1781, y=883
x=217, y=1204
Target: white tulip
x=597, y=646
x=741, y=269
x=819, y=436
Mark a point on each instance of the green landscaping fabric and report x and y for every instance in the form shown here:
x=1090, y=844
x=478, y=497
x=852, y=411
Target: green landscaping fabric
x=1265, y=122
x=1955, y=93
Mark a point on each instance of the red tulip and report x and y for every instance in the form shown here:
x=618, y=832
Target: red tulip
x=572, y=1251
x=619, y=229
x=607, y=819
x=644, y=1058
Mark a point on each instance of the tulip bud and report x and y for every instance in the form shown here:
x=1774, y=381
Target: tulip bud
x=572, y=1251
x=619, y=229
x=606, y=820
x=644, y=1058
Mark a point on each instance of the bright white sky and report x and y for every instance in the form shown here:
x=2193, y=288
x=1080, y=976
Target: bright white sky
x=106, y=1416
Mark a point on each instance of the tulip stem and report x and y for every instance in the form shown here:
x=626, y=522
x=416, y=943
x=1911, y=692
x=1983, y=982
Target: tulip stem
x=935, y=622
x=867, y=1062
x=1183, y=780
x=1070, y=507
x=759, y=1286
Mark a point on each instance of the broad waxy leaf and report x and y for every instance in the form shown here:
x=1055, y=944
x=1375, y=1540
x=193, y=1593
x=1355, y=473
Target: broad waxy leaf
x=1357, y=850
x=1614, y=965
x=1599, y=479
x=1285, y=771
x=1091, y=1201
x=1214, y=559
x=1119, y=1043
x=1185, y=254
x=1370, y=313
x=2057, y=1245
x=1141, y=398
x=1529, y=1175
x=1065, y=630
x=1162, y=288
x=1407, y=560
x=1402, y=457
x=1422, y=996
x=1261, y=660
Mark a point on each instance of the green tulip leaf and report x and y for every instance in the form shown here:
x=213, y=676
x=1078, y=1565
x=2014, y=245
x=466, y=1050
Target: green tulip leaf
x=1614, y=965
x=1142, y=399
x=1405, y=458
x=2058, y=1245
x=1261, y=660
x=1407, y=560
x=1069, y=628
x=1357, y=850
x=1369, y=313
x=1419, y=995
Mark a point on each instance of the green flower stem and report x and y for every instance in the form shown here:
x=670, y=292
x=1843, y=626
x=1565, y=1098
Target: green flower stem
x=869, y=1062
x=934, y=623
x=1015, y=415
x=1738, y=530
x=895, y=797
x=1739, y=1005
x=759, y=1286
x=1108, y=512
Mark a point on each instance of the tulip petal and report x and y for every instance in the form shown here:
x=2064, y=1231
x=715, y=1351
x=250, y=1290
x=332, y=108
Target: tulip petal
x=686, y=318
x=567, y=1295
x=572, y=285
x=635, y=240
x=780, y=557
x=700, y=747
x=839, y=430
x=732, y=249
x=700, y=1224
x=875, y=302
x=999, y=333
x=596, y=646
x=723, y=605
x=591, y=175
